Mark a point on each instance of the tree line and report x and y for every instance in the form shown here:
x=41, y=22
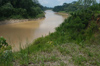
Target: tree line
x=75, y=5
x=19, y=9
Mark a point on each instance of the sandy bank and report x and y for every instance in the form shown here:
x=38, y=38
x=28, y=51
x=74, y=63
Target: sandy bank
x=65, y=15
x=11, y=21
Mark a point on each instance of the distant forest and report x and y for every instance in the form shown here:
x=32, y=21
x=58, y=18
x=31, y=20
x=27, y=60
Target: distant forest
x=17, y=9
x=75, y=5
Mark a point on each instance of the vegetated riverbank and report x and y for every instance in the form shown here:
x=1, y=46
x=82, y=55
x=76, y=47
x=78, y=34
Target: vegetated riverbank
x=20, y=10
x=75, y=42
x=16, y=20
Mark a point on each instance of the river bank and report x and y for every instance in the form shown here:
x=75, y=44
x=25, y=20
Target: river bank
x=64, y=14
x=11, y=21
x=20, y=32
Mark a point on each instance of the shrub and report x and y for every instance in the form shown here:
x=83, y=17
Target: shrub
x=6, y=58
x=6, y=55
x=91, y=29
x=79, y=26
x=3, y=42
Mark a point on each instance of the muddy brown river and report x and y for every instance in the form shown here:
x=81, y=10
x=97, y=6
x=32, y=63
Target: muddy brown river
x=21, y=34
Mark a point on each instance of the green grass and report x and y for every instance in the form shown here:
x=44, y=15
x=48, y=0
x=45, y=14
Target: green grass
x=57, y=55
x=60, y=55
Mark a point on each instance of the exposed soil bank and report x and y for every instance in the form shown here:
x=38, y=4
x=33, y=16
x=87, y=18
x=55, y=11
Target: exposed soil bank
x=11, y=21
x=65, y=15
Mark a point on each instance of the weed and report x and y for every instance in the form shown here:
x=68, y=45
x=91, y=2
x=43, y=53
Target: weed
x=63, y=64
x=80, y=60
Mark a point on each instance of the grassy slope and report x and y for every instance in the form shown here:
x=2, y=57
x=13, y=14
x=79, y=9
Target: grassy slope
x=67, y=54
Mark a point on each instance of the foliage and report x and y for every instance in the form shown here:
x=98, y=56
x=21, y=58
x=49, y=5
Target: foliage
x=87, y=3
x=19, y=9
x=3, y=42
x=47, y=8
x=68, y=7
x=91, y=29
x=80, y=60
x=6, y=56
x=75, y=5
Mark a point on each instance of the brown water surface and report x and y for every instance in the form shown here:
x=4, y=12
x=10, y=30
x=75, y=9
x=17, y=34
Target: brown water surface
x=19, y=34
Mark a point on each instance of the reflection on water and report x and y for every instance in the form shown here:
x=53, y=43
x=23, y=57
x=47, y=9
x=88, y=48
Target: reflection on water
x=19, y=34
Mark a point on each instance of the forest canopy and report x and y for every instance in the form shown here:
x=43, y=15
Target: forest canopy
x=19, y=9
x=75, y=5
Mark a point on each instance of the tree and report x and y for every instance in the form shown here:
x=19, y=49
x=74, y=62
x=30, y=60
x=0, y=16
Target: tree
x=36, y=1
x=69, y=7
x=87, y=3
x=19, y=9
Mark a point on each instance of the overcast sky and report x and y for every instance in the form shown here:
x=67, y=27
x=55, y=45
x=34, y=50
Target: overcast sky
x=52, y=3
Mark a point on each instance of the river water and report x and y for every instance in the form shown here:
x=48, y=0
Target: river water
x=20, y=34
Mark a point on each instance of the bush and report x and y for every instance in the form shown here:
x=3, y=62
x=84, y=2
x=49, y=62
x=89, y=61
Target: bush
x=79, y=26
x=6, y=58
x=3, y=42
x=5, y=53
x=91, y=29
x=6, y=10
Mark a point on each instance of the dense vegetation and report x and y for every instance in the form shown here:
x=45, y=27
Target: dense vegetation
x=74, y=6
x=19, y=9
x=47, y=8
x=68, y=7
x=75, y=42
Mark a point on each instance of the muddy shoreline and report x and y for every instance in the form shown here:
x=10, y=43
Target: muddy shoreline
x=11, y=21
x=65, y=15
